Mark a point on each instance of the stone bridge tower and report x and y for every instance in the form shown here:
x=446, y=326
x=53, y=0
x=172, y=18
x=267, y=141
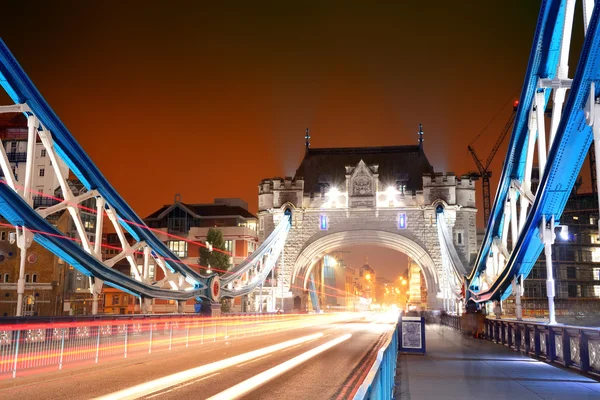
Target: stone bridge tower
x=383, y=196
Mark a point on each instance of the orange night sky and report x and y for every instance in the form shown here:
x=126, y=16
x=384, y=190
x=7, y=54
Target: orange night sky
x=206, y=100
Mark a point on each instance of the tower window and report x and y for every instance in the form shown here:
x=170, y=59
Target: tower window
x=323, y=222
x=42, y=171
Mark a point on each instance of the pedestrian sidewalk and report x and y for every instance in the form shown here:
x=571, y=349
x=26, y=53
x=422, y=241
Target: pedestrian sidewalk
x=460, y=367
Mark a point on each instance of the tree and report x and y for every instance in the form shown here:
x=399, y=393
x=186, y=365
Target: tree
x=218, y=260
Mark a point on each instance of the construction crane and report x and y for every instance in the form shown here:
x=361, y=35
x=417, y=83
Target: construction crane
x=484, y=172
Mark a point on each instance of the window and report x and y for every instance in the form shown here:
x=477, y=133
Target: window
x=5, y=278
x=571, y=273
x=229, y=246
x=596, y=290
x=459, y=238
x=572, y=290
x=596, y=272
x=3, y=235
x=42, y=171
x=575, y=217
x=115, y=299
x=261, y=224
x=592, y=220
x=323, y=222
x=34, y=278
x=178, y=247
x=402, y=221
x=13, y=146
x=27, y=278
x=43, y=153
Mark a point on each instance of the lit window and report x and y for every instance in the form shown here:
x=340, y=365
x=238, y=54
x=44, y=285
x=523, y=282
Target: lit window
x=402, y=221
x=323, y=222
x=42, y=171
x=595, y=255
x=43, y=153
x=178, y=247
x=575, y=217
x=596, y=290
x=592, y=220
x=229, y=246
x=596, y=272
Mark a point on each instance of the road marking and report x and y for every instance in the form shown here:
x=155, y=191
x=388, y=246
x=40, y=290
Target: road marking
x=257, y=359
x=290, y=348
x=147, y=388
x=250, y=384
x=185, y=384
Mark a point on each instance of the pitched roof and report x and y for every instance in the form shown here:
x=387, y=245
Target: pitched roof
x=396, y=163
x=204, y=210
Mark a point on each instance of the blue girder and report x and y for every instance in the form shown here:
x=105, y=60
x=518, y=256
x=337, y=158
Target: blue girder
x=566, y=155
x=19, y=87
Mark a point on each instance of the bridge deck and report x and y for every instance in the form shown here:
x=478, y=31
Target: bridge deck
x=459, y=367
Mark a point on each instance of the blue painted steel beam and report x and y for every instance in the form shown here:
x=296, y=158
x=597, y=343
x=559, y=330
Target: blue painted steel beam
x=21, y=89
x=19, y=213
x=565, y=158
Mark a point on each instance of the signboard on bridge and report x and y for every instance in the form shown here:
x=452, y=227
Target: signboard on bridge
x=412, y=335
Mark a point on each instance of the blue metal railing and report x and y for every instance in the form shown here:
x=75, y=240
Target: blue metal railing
x=379, y=383
x=575, y=347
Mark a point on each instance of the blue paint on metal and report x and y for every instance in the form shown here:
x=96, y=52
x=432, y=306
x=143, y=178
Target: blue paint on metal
x=18, y=213
x=22, y=91
x=312, y=290
x=380, y=381
x=566, y=155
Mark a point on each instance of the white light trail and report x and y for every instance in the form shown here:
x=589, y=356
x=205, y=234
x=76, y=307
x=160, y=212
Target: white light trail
x=250, y=384
x=144, y=389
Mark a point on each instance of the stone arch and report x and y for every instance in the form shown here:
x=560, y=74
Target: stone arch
x=316, y=249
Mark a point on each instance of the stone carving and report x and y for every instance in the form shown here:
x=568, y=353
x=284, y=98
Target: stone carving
x=362, y=186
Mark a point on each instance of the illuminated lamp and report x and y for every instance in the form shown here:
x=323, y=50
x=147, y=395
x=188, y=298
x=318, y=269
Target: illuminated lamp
x=333, y=192
x=564, y=232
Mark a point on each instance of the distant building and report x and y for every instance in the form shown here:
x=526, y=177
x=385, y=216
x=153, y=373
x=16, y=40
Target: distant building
x=417, y=290
x=13, y=133
x=576, y=267
x=179, y=223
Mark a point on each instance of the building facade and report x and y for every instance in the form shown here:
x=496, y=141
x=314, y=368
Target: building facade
x=386, y=196
x=576, y=267
x=180, y=225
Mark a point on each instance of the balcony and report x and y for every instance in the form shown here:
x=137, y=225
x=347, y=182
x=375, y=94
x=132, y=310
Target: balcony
x=40, y=201
x=14, y=156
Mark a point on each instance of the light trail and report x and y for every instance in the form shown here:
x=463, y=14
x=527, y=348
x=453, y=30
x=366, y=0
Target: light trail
x=180, y=377
x=143, y=226
x=250, y=384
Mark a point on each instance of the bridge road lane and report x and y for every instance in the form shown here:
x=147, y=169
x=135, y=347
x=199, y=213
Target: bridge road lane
x=103, y=380
x=330, y=375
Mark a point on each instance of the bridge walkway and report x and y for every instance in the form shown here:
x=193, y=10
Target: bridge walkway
x=460, y=367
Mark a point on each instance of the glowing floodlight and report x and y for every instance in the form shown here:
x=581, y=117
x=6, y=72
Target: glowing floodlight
x=564, y=232
x=333, y=193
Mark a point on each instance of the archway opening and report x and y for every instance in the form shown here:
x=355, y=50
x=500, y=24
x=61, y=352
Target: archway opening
x=365, y=269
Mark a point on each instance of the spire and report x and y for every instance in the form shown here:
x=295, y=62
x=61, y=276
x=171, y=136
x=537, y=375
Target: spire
x=307, y=140
x=420, y=133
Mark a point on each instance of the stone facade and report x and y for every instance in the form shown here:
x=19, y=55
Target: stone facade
x=362, y=210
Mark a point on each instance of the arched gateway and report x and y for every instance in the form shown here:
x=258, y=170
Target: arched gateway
x=383, y=196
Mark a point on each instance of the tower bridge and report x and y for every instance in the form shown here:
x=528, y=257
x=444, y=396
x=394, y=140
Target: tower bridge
x=383, y=196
